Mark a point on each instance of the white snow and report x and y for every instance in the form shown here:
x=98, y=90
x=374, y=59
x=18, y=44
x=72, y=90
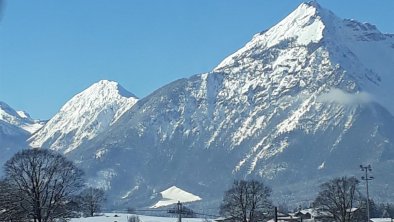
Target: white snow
x=358, y=47
x=100, y=153
x=321, y=166
x=291, y=123
x=306, y=56
x=304, y=18
x=174, y=194
x=85, y=116
x=23, y=114
x=130, y=192
x=381, y=220
x=33, y=127
x=122, y=217
x=19, y=119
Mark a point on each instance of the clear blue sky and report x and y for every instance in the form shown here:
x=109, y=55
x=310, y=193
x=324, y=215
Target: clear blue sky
x=52, y=49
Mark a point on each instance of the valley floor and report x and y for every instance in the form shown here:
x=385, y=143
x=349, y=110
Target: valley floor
x=120, y=217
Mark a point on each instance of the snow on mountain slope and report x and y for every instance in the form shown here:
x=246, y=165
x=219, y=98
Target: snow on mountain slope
x=15, y=128
x=19, y=119
x=297, y=105
x=359, y=48
x=85, y=116
x=12, y=139
x=174, y=194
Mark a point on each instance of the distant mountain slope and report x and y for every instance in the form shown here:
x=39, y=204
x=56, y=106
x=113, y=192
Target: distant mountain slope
x=15, y=128
x=85, y=116
x=306, y=100
x=19, y=119
x=12, y=139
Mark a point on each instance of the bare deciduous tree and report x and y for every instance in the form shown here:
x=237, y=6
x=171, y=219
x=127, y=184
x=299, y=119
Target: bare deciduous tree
x=338, y=197
x=246, y=201
x=43, y=181
x=9, y=208
x=91, y=200
x=387, y=210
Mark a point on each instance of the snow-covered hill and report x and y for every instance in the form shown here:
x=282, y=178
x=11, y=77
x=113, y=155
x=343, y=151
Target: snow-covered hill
x=85, y=116
x=174, y=195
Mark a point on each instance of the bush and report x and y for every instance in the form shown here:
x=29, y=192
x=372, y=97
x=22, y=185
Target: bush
x=133, y=218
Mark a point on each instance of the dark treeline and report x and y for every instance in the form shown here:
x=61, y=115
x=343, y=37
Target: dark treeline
x=41, y=185
x=339, y=199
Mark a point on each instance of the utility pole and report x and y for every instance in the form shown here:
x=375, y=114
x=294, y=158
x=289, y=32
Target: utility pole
x=179, y=205
x=367, y=169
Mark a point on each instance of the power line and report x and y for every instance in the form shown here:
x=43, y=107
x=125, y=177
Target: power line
x=152, y=210
x=209, y=215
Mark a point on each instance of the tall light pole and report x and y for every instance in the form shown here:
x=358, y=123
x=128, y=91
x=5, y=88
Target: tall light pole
x=179, y=209
x=367, y=169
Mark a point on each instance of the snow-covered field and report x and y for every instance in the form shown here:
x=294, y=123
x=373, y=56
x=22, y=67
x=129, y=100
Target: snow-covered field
x=382, y=219
x=110, y=217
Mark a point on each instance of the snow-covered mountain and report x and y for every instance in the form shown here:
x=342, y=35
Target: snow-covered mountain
x=303, y=101
x=85, y=116
x=19, y=119
x=15, y=128
x=306, y=100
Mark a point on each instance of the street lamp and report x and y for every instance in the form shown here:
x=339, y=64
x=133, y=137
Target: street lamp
x=367, y=169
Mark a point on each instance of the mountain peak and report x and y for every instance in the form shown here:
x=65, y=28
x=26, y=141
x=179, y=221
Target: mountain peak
x=312, y=4
x=19, y=119
x=4, y=107
x=100, y=93
x=110, y=86
x=84, y=116
x=305, y=25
